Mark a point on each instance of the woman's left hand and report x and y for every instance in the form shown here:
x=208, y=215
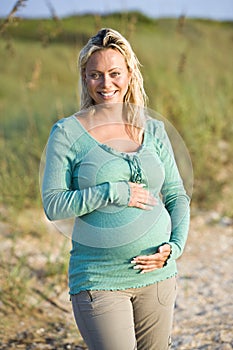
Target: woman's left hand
x=147, y=263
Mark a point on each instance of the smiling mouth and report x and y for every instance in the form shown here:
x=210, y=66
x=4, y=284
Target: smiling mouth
x=107, y=94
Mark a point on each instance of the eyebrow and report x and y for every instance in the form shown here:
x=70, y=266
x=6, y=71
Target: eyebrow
x=115, y=68
x=110, y=70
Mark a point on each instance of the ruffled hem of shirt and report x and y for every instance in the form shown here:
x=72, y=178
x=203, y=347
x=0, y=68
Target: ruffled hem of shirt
x=123, y=288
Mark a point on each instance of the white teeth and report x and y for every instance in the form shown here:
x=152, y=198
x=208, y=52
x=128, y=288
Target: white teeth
x=109, y=94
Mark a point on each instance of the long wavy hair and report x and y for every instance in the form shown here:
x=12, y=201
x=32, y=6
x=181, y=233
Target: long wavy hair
x=135, y=98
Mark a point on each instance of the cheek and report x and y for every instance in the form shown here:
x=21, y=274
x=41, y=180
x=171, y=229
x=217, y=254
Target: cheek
x=90, y=84
x=124, y=82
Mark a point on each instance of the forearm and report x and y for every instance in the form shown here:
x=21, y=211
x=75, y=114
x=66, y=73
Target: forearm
x=175, y=198
x=62, y=204
x=179, y=211
x=61, y=198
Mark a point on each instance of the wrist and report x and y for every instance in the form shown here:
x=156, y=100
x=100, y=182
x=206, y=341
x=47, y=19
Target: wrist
x=119, y=193
x=169, y=255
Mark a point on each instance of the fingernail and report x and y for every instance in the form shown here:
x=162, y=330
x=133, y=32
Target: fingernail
x=133, y=262
x=136, y=267
x=142, y=271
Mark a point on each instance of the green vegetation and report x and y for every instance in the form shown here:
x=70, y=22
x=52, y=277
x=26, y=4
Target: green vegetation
x=187, y=66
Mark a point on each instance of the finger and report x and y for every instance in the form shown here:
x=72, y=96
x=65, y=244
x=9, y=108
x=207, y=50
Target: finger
x=146, y=271
x=147, y=258
x=143, y=206
x=146, y=199
x=147, y=263
x=142, y=202
x=140, y=195
x=146, y=268
x=143, y=269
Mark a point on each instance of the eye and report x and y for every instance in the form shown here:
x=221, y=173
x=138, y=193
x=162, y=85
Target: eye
x=94, y=76
x=115, y=74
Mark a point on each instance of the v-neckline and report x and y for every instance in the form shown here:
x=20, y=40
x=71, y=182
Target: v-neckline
x=111, y=149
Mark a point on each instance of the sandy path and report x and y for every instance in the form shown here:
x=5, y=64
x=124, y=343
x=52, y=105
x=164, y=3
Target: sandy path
x=204, y=308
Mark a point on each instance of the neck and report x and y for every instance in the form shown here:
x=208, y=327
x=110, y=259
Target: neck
x=109, y=112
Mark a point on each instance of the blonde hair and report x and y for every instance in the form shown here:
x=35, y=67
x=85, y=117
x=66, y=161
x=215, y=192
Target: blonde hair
x=135, y=96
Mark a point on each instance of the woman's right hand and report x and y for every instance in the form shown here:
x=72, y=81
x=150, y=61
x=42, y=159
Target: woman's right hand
x=140, y=197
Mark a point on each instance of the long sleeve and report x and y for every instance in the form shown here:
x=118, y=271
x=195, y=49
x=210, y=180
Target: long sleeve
x=174, y=195
x=60, y=200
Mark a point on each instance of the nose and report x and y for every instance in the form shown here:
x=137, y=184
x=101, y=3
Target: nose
x=106, y=80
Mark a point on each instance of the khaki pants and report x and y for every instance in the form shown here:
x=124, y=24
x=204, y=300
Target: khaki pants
x=131, y=319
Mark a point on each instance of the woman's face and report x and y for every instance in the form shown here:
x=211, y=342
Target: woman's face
x=107, y=76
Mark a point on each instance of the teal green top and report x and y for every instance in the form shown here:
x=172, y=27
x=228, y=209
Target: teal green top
x=89, y=181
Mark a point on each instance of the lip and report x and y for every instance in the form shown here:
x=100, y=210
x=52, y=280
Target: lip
x=107, y=95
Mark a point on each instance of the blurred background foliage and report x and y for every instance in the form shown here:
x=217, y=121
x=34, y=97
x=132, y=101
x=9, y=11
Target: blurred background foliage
x=187, y=67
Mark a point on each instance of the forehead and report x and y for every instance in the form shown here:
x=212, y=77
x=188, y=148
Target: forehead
x=106, y=59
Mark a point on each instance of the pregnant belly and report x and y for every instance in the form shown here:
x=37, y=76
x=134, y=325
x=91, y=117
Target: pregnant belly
x=119, y=227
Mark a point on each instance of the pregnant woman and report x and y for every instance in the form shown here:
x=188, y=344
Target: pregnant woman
x=111, y=166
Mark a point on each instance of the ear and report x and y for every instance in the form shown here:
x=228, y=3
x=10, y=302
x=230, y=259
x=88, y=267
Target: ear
x=84, y=75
